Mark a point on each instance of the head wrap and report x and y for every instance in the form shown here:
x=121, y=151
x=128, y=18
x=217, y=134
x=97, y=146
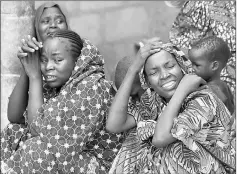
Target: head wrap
x=179, y=56
x=39, y=13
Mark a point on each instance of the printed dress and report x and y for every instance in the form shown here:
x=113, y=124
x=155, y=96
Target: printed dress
x=203, y=145
x=133, y=148
x=70, y=126
x=202, y=18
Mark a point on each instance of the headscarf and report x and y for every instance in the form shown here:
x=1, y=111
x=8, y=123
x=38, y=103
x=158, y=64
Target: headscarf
x=40, y=11
x=179, y=56
x=79, y=108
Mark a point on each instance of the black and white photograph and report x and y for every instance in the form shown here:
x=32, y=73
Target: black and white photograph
x=118, y=87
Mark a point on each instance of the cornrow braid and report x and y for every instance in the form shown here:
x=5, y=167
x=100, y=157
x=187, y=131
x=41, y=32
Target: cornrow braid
x=74, y=39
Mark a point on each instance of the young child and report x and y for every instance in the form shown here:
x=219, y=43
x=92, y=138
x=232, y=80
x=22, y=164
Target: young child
x=68, y=127
x=209, y=56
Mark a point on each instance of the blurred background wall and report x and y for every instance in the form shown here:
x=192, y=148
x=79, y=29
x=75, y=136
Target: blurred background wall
x=113, y=26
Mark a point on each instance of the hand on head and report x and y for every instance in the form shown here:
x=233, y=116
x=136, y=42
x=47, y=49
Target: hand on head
x=150, y=47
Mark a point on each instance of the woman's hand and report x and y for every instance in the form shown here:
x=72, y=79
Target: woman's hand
x=190, y=83
x=29, y=57
x=150, y=47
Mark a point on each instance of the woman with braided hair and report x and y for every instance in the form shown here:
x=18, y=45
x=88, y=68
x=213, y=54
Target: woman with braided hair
x=68, y=127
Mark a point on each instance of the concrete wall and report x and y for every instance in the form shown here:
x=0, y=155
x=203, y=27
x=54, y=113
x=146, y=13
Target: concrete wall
x=16, y=23
x=113, y=26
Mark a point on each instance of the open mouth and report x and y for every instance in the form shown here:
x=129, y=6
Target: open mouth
x=169, y=85
x=50, y=78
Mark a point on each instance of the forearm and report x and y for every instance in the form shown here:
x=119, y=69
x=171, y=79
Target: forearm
x=118, y=117
x=162, y=135
x=35, y=98
x=18, y=99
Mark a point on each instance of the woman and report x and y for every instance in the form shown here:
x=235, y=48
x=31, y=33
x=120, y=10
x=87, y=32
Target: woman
x=177, y=143
x=51, y=134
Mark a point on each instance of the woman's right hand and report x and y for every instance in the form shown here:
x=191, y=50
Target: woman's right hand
x=150, y=47
x=29, y=56
x=190, y=83
x=28, y=46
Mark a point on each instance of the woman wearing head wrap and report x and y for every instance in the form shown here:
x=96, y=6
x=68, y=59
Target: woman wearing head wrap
x=192, y=132
x=49, y=17
x=66, y=133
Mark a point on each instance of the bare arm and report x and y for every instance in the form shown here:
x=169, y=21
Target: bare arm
x=35, y=97
x=118, y=119
x=163, y=136
x=18, y=100
x=31, y=64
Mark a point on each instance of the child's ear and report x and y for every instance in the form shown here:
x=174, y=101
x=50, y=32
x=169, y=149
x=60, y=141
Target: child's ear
x=215, y=65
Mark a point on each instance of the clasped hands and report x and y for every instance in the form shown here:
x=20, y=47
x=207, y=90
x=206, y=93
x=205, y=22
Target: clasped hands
x=28, y=53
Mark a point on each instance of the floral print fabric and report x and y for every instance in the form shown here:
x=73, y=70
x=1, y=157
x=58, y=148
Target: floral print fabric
x=198, y=19
x=70, y=126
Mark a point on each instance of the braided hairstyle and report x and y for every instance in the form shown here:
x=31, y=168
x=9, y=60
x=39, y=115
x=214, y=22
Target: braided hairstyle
x=75, y=40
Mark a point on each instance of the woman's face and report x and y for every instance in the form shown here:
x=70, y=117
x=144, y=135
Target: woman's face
x=57, y=62
x=51, y=20
x=163, y=73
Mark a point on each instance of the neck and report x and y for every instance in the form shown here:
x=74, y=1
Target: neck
x=215, y=77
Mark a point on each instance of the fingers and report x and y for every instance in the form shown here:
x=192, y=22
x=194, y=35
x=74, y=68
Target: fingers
x=30, y=44
x=21, y=55
x=203, y=82
x=27, y=49
x=39, y=44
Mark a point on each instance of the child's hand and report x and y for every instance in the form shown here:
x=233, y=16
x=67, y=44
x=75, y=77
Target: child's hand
x=190, y=83
x=151, y=46
x=145, y=129
x=29, y=57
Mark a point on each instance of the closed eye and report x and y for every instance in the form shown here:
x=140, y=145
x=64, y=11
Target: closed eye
x=57, y=60
x=43, y=59
x=152, y=73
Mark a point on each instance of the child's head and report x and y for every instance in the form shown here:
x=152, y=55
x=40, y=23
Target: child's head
x=120, y=73
x=209, y=56
x=59, y=55
x=163, y=73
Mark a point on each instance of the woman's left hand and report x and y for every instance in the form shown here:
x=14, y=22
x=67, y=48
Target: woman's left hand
x=31, y=62
x=190, y=83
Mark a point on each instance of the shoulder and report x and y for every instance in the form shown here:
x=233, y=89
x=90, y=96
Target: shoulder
x=204, y=96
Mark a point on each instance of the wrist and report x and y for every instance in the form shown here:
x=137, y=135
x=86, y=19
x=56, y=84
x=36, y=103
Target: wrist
x=180, y=95
x=133, y=69
x=35, y=77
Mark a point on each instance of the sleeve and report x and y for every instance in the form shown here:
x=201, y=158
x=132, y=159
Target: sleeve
x=134, y=111
x=192, y=124
x=190, y=24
